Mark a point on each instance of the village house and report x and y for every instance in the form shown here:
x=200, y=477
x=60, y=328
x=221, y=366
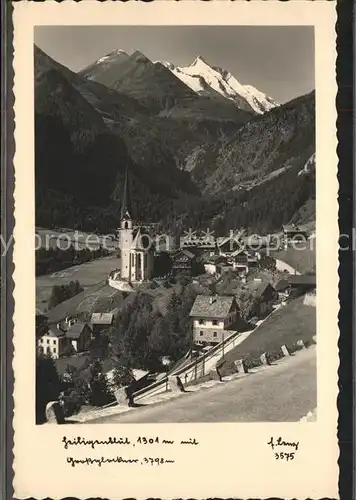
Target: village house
x=79, y=335
x=53, y=342
x=283, y=288
x=184, y=262
x=213, y=318
x=101, y=322
x=240, y=261
x=41, y=324
x=212, y=262
x=222, y=268
x=300, y=284
x=293, y=232
x=264, y=296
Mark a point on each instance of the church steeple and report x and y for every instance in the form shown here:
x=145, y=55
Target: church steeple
x=126, y=211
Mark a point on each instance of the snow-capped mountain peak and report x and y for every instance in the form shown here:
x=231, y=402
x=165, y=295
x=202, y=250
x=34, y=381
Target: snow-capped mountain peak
x=200, y=76
x=199, y=60
x=167, y=64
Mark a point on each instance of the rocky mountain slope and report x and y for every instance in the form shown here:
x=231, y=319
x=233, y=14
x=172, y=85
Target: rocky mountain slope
x=154, y=85
x=81, y=157
x=279, y=139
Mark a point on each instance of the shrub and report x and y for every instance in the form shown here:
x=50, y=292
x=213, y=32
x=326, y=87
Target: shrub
x=275, y=355
x=71, y=403
x=252, y=363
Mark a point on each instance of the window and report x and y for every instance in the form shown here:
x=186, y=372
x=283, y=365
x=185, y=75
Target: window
x=215, y=322
x=215, y=334
x=201, y=334
x=54, y=350
x=47, y=341
x=55, y=341
x=201, y=322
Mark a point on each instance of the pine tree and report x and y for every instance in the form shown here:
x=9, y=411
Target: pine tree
x=48, y=385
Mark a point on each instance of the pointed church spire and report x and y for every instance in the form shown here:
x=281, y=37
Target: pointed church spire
x=126, y=212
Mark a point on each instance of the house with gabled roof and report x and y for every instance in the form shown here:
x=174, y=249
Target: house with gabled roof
x=53, y=341
x=101, y=321
x=183, y=262
x=213, y=318
x=79, y=335
x=263, y=297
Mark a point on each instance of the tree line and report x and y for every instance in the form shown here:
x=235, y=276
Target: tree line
x=140, y=338
x=55, y=259
x=61, y=293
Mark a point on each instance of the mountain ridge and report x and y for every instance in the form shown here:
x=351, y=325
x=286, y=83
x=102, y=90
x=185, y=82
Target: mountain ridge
x=200, y=74
x=200, y=149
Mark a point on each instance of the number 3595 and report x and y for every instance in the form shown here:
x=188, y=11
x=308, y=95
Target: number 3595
x=284, y=456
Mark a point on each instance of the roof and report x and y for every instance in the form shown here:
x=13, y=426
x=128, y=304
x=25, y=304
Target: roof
x=282, y=285
x=217, y=306
x=41, y=324
x=54, y=331
x=217, y=259
x=224, y=268
x=231, y=288
x=258, y=287
x=102, y=318
x=300, y=279
x=240, y=252
x=185, y=252
x=75, y=330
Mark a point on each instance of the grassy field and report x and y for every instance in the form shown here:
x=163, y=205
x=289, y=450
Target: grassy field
x=97, y=298
x=289, y=324
x=88, y=274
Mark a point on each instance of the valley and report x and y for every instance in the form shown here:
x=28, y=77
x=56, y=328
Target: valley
x=192, y=137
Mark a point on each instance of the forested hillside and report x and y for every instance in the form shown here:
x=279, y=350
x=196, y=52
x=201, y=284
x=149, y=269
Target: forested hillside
x=192, y=162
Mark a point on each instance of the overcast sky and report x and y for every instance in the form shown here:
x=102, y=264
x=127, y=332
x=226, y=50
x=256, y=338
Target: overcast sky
x=277, y=60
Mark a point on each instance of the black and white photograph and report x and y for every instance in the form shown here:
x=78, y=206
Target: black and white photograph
x=175, y=224
x=175, y=250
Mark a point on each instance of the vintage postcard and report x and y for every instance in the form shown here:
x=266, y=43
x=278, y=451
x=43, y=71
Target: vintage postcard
x=175, y=250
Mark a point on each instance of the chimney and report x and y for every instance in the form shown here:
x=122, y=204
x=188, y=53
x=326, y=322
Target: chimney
x=212, y=299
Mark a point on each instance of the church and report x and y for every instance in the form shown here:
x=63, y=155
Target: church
x=136, y=249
